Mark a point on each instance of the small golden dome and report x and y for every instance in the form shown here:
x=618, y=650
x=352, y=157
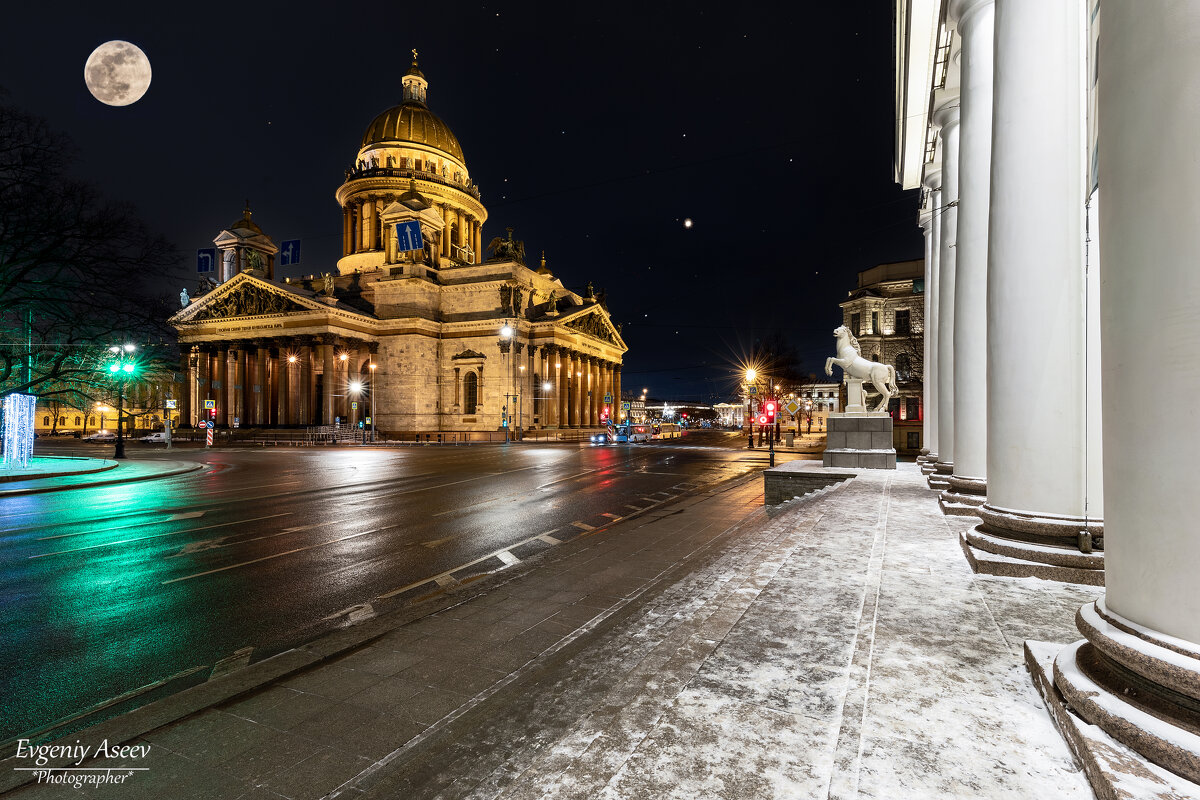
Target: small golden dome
x=413, y=123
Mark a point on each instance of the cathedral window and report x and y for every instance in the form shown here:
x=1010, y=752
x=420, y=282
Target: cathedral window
x=470, y=393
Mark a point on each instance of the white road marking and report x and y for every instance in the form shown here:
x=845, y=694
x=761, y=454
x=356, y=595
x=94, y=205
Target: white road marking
x=610, y=516
x=354, y=614
x=274, y=555
x=637, y=508
x=186, y=515
x=568, y=478
x=227, y=541
x=445, y=580
x=231, y=663
x=508, y=558
x=435, y=542
x=160, y=535
x=584, y=526
x=548, y=539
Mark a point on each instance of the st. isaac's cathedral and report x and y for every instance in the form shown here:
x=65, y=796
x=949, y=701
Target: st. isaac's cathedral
x=449, y=338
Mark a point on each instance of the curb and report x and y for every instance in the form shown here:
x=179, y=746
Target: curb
x=105, y=464
x=133, y=479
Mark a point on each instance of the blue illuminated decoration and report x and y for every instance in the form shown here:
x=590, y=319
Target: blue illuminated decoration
x=19, y=410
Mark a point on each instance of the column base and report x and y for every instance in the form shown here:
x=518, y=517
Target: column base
x=939, y=479
x=964, y=496
x=992, y=555
x=1139, y=686
x=1075, y=534
x=1110, y=766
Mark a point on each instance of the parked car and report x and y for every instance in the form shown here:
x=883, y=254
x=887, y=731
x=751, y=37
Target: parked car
x=159, y=437
x=62, y=432
x=101, y=436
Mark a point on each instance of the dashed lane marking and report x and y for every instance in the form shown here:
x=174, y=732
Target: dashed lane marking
x=160, y=535
x=508, y=558
x=274, y=555
x=584, y=526
x=548, y=539
x=610, y=516
x=186, y=515
x=444, y=580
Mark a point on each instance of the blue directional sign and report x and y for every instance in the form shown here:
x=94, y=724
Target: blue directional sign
x=408, y=235
x=289, y=253
x=206, y=260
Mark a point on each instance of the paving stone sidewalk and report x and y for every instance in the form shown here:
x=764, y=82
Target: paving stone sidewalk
x=836, y=646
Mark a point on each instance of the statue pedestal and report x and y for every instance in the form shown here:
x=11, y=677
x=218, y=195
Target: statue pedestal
x=859, y=440
x=855, y=397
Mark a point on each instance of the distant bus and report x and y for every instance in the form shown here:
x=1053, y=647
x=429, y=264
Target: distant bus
x=668, y=430
x=636, y=432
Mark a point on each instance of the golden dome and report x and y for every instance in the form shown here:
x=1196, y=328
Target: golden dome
x=412, y=122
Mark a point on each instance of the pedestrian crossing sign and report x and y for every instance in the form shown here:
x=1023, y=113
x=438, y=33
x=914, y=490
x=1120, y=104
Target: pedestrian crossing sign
x=209, y=405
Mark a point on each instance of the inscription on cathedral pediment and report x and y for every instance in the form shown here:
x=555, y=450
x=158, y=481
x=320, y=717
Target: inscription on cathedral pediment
x=248, y=301
x=593, y=325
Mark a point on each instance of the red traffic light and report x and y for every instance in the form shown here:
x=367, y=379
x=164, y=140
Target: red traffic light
x=770, y=407
x=762, y=419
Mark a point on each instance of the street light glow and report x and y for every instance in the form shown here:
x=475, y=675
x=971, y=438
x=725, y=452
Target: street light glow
x=291, y=359
x=751, y=374
x=546, y=386
x=506, y=331
x=356, y=386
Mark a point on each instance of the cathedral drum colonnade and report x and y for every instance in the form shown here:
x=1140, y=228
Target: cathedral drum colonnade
x=447, y=335
x=1080, y=476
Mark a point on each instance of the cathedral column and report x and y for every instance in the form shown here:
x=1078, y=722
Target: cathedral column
x=346, y=215
x=246, y=378
x=596, y=397
x=553, y=396
x=617, y=392
x=1137, y=675
x=372, y=222
x=929, y=334
x=236, y=379
x=327, y=379
x=285, y=383
x=947, y=118
x=477, y=239
x=968, y=483
x=566, y=420
x=261, y=354
x=306, y=387
x=446, y=214
x=1037, y=483
x=222, y=392
x=185, y=395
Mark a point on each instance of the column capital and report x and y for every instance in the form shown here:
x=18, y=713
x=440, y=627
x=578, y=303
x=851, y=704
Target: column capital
x=519, y=346
x=961, y=11
x=326, y=338
x=947, y=114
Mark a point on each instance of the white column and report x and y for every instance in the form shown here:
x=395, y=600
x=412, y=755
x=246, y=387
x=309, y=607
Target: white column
x=946, y=117
x=1150, y=310
x=1149, y=620
x=933, y=182
x=969, y=481
x=1036, y=478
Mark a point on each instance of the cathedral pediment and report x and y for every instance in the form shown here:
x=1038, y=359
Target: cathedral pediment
x=245, y=296
x=594, y=322
x=468, y=354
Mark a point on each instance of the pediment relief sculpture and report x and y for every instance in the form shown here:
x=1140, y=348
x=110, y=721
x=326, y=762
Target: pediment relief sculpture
x=247, y=300
x=468, y=354
x=593, y=325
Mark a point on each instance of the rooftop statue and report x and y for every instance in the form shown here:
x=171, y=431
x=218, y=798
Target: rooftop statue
x=508, y=248
x=849, y=358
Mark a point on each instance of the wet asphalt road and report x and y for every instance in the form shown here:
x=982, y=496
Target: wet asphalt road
x=108, y=589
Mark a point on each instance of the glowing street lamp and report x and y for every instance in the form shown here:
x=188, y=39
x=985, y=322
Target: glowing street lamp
x=121, y=368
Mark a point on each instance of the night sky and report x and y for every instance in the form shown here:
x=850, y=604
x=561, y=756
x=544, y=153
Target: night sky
x=594, y=133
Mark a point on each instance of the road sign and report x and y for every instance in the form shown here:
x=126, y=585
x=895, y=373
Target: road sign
x=208, y=434
x=354, y=406
x=289, y=253
x=206, y=259
x=624, y=406
x=408, y=235
x=209, y=405
x=792, y=407
x=368, y=420
x=607, y=398
x=751, y=390
x=170, y=404
x=208, y=423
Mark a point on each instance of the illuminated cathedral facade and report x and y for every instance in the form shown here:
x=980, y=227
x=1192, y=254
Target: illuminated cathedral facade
x=448, y=338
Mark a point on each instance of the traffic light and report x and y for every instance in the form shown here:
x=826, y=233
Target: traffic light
x=769, y=408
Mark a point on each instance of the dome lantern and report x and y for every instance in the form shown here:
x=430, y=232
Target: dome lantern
x=414, y=85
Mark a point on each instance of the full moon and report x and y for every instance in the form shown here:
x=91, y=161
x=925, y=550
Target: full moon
x=117, y=73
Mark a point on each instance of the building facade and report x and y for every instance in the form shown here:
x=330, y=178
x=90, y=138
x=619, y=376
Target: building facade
x=886, y=312
x=413, y=324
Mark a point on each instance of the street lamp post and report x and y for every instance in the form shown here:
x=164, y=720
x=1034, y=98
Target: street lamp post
x=121, y=369
x=372, y=366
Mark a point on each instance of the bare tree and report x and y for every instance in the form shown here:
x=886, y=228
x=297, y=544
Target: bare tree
x=74, y=270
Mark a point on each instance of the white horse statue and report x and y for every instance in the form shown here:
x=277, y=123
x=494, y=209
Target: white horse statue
x=849, y=358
